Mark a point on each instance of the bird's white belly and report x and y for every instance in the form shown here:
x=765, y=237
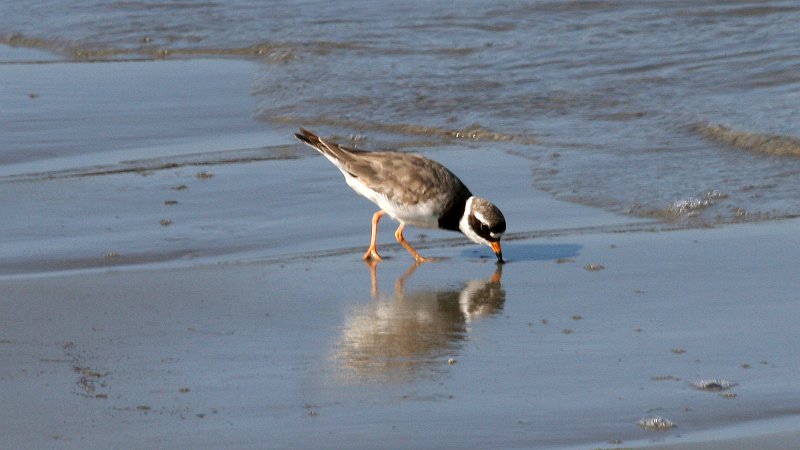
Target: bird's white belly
x=421, y=215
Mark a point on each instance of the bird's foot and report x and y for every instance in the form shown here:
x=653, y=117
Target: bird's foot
x=372, y=255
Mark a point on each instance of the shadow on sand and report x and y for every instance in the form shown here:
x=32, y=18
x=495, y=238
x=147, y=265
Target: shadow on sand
x=513, y=252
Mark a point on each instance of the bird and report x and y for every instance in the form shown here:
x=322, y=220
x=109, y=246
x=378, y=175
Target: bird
x=415, y=191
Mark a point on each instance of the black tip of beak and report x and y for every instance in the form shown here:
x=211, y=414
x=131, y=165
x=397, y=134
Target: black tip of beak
x=497, y=251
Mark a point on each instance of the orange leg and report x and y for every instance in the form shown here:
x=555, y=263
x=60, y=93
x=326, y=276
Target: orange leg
x=372, y=251
x=398, y=234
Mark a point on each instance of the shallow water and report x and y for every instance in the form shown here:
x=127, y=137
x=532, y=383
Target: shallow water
x=611, y=101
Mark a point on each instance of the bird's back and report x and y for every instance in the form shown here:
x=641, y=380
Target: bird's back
x=406, y=179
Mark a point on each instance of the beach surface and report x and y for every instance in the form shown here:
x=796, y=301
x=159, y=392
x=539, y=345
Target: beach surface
x=178, y=274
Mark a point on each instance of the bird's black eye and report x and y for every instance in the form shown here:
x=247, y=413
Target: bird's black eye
x=484, y=228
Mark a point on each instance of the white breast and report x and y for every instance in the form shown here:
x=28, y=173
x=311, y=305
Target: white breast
x=463, y=225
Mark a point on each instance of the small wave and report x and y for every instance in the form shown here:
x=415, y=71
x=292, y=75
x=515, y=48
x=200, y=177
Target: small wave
x=18, y=40
x=474, y=132
x=685, y=208
x=692, y=206
x=440, y=23
x=773, y=144
x=747, y=11
x=265, y=51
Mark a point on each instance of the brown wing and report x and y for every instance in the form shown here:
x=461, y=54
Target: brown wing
x=405, y=178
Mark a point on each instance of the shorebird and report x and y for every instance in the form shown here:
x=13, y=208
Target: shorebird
x=413, y=190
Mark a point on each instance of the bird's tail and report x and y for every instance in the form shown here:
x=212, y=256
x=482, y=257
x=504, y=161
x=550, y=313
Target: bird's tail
x=308, y=138
x=337, y=154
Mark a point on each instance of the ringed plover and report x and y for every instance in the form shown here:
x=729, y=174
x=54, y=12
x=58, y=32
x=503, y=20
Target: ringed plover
x=413, y=190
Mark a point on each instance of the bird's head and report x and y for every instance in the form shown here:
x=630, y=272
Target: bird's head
x=484, y=224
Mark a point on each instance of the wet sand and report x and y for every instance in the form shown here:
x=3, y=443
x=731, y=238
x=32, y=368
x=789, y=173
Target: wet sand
x=211, y=295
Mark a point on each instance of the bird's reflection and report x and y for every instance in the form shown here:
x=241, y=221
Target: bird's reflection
x=409, y=335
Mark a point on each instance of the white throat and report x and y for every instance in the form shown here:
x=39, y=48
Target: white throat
x=463, y=225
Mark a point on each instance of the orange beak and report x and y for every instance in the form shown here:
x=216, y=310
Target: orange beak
x=497, y=251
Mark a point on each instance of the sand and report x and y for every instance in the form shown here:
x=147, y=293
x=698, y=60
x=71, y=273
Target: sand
x=195, y=281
